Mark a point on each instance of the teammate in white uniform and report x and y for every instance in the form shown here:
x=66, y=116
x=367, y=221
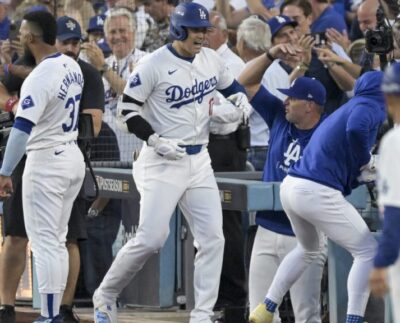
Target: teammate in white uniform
x=167, y=102
x=46, y=128
x=389, y=199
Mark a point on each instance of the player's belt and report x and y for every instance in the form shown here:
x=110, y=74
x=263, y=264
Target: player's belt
x=192, y=149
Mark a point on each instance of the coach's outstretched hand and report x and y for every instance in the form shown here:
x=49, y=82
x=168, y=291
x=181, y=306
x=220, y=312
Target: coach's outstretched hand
x=167, y=148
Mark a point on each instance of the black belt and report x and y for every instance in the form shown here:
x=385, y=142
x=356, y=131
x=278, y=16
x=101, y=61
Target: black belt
x=231, y=136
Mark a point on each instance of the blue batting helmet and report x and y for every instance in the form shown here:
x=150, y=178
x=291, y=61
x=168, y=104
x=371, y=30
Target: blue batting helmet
x=187, y=15
x=391, y=79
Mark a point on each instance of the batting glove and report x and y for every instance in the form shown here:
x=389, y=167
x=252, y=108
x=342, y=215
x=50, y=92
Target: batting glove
x=241, y=102
x=167, y=148
x=368, y=171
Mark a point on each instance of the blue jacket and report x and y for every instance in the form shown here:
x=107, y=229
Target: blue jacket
x=286, y=145
x=342, y=144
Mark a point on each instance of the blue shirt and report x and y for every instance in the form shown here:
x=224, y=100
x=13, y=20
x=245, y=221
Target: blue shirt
x=343, y=143
x=5, y=28
x=329, y=18
x=286, y=144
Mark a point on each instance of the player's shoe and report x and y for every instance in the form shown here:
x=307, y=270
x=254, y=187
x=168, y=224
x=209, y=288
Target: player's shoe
x=261, y=315
x=7, y=314
x=104, y=312
x=68, y=315
x=42, y=319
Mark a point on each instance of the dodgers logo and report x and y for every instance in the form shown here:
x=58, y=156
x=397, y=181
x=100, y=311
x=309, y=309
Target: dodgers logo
x=292, y=153
x=197, y=92
x=27, y=103
x=135, y=81
x=70, y=25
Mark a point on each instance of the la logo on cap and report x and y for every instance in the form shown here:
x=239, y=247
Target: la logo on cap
x=100, y=21
x=202, y=14
x=70, y=25
x=280, y=19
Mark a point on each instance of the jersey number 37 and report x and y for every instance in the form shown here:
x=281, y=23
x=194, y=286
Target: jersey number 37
x=73, y=104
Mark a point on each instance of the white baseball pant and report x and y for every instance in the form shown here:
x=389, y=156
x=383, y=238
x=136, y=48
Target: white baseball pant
x=269, y=249
x=162, y=185
x=52, y=180
x=312, y=209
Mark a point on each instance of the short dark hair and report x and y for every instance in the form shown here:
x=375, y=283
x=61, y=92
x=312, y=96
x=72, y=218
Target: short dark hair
x=304, y=5
x=45, y=23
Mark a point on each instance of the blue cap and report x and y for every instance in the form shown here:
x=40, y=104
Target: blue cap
x=96, y=23
x=278, y=22
x=68, y=28
x=306, y=88
x=38, y=7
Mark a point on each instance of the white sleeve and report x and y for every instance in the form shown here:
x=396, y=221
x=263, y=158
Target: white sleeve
x=34, y=96
x=225, y=76
x=389, y=171
x=141, y=82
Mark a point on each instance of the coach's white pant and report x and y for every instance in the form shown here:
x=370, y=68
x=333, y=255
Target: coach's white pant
x=313, y=208
x=394, y=285
x=50, y=185
x=162, y=185
x=269, y=249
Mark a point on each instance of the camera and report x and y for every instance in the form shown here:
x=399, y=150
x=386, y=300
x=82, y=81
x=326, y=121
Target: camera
x=319, y=38
x=379, y=40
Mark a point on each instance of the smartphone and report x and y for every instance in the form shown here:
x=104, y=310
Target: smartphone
x=320, y=39
x=14, y=32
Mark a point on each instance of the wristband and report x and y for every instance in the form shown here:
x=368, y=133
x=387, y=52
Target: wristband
x=104, y=68
x=10, y=103
x=6, y=69
x=270, y=57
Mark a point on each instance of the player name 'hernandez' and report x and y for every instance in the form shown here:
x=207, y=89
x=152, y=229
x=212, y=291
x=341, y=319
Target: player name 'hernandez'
x=70, y=77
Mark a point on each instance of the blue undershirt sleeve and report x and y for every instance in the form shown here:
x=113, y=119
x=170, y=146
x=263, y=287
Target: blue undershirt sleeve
x=235, y=87
x=389, y=244
x=16, y=145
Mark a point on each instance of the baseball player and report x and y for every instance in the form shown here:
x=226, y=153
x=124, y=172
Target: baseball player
x=389, y=190
x=46, y=129
x=167, y=103
x=335, y=161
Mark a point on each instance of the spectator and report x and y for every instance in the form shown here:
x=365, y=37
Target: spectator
x=253, y=39
x=334, y=78
x=157, y=35
x=84, y=8
x=325, y=16
x=119, y=29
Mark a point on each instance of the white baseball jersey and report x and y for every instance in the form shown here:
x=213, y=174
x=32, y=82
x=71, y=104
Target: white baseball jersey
x=174, y=109
x=389, y=169
x=51, y=101
x=127, y=142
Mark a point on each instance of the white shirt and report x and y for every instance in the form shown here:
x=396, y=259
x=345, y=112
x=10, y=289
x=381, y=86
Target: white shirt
x=221, y=104
x=51, y=101
x=178, y=94
x=389, y=169
x=127, y=143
